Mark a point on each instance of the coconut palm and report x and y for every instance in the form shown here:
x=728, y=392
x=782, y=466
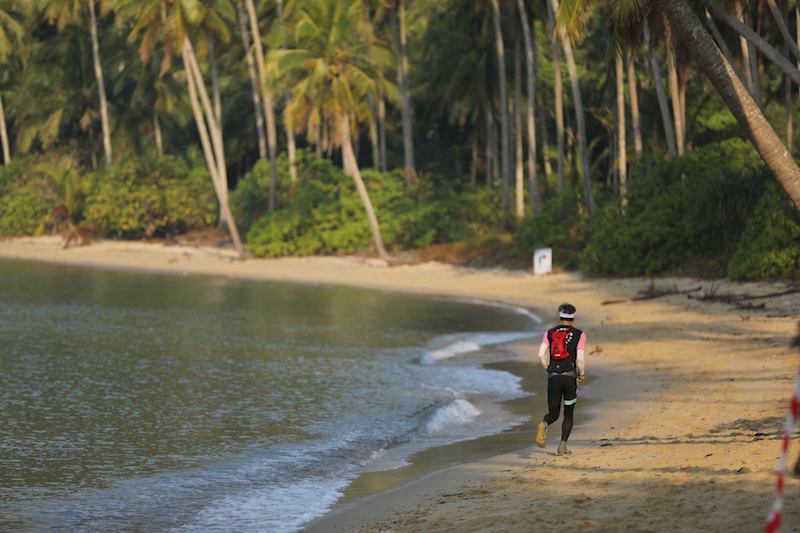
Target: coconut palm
x=11, y=33
x=332, y=65
x=401, y=37
x=64, y=12
x=712, y=63
x=175, y=26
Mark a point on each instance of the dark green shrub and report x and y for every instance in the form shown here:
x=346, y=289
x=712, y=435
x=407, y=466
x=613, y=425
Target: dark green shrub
x=29, y=189
x=325, y=215
x=770, y=245
x=151, y=197
x=559, y=225
x=691, y=207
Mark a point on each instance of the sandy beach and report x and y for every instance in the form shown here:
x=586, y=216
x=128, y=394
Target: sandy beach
x=688, y=397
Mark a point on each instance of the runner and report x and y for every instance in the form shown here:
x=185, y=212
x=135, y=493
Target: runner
x=563, y=356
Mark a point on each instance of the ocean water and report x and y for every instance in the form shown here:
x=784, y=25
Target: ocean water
x=146, y=402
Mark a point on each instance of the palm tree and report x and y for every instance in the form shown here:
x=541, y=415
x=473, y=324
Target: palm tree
x=636, y=123
x=622, y=163
x=505, y=145
x=332, y=65
x=530, y=71
x=173, y=24
x=580, y=116
x=11, y=32
x=64, y=12
x=401, y=36
x=266, y=101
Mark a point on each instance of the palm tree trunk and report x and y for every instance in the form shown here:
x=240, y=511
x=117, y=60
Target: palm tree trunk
x=266, y=102
x=473, y=166
x=351, y=167
x=220, y=185
x=373, y=139
x=622, y=163
x=542, y=122
x=666, y=119
x=291, y=146
x=382, y=129
x=495, y=151
x=101, y=86
x=505, y=145
x=251, y=73
x=530, y=69
x=636, y=123
x=712, y=63
x=789, y=105
x=748, y=73
x=580, y=117
x=518, y=153
x=216, y=93
x=763, y=46
x=4, y=134
x=405, y=93
x=157, y=131
x=488, y=163
x=674, y=93
x=558, y=89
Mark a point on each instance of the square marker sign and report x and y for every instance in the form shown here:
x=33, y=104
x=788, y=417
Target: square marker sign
x=542, y=261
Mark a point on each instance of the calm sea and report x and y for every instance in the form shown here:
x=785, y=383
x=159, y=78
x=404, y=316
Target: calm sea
x=170, y=403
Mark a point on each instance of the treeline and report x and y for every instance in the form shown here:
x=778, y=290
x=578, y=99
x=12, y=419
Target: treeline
x=616, y=132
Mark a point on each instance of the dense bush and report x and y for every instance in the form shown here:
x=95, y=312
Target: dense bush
x=770, y=244
x=692, y=207
x=149, y=197
x=323, y=213
x=559, y=225
x=30, y=188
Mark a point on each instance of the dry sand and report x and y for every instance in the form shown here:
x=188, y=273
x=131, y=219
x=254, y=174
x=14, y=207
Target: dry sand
x=688, y=399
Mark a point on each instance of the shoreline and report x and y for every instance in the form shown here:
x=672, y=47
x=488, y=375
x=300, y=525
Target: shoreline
x=688, y=397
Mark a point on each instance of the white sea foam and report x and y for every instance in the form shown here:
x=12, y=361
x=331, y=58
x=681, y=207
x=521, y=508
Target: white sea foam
x=457, y=412
x=448, y=346
x=452, y=350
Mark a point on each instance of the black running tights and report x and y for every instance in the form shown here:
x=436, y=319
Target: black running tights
x=558, y=388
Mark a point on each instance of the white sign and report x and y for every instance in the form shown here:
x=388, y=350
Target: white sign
x=542, y=261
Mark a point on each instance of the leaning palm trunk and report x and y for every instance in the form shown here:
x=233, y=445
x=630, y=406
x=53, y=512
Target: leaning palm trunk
x=666, y=119
x=505, y=145
x=580, y=118
x=405, y=95
x=351, y=167
x=622, y=163
x=382, y=129
x=101, y=86
x=636, y=123
x=530, y=68
x=210, y=140
x=783, y=28
x=763, y=46
x=251, y=73
x=558, y=90
x=267, y=103
x=4, y=134
x=712, y=63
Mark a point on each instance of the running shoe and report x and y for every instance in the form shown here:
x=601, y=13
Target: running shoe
x=541, y=434
x=562, y=449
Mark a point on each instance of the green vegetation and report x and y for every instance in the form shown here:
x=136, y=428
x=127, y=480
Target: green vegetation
x=330, y=127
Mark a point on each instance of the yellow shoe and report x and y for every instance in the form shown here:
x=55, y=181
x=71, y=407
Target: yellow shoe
x=541, y=434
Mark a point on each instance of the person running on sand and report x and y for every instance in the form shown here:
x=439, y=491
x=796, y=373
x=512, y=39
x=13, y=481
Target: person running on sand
x=562, y=353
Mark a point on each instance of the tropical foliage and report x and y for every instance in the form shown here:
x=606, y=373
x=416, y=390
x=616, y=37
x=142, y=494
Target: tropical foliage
x=633, y=137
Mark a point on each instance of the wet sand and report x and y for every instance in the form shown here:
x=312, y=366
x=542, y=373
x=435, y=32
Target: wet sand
x=687, y=399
